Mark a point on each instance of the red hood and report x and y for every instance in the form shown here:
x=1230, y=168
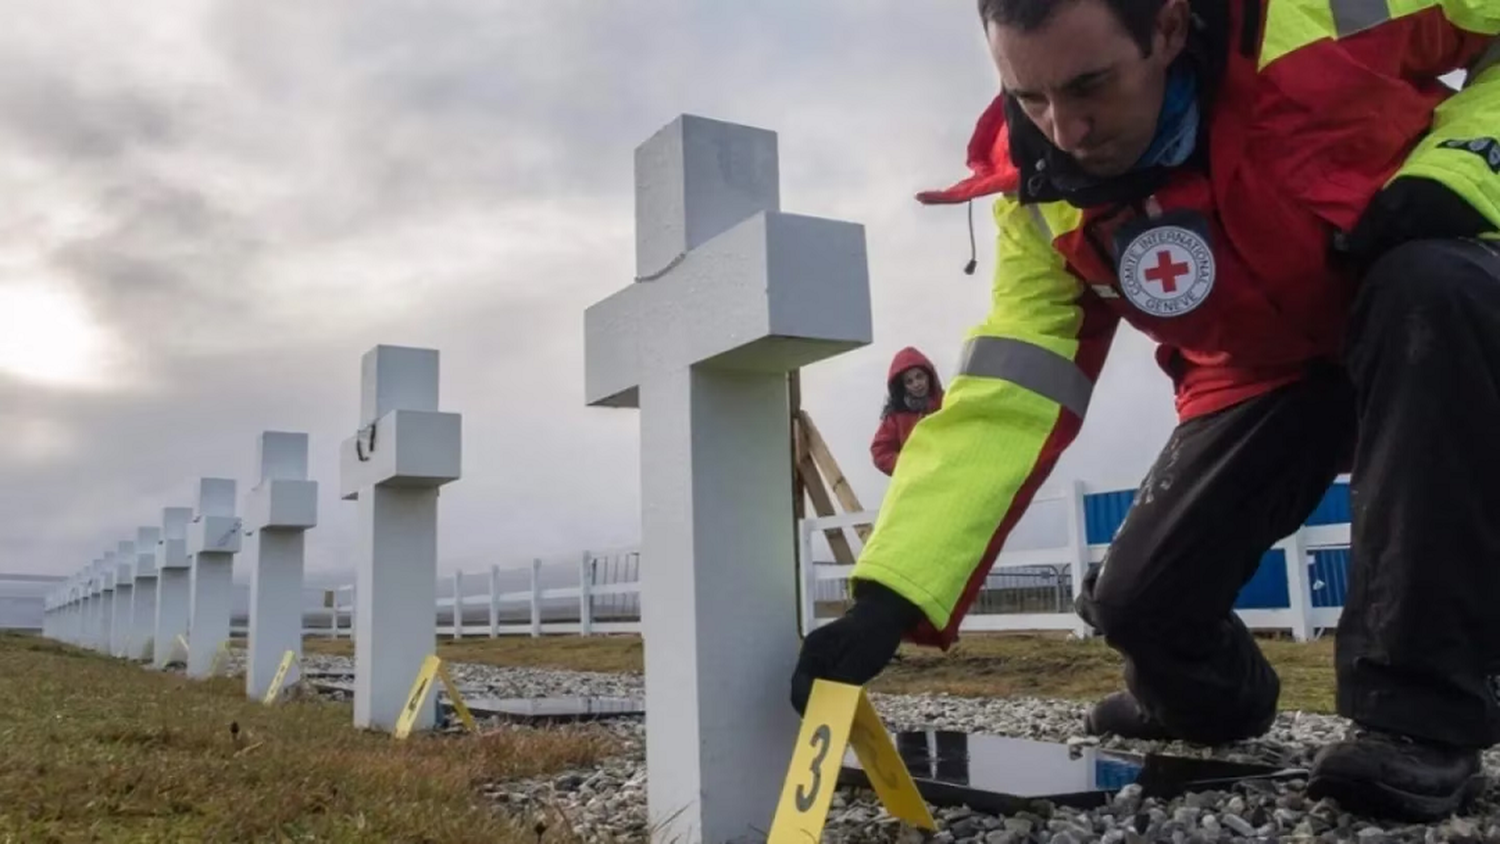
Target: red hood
x=906, y=359
x=988, y=160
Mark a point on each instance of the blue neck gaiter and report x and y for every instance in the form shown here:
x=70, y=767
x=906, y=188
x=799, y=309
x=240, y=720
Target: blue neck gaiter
x=1177, y=126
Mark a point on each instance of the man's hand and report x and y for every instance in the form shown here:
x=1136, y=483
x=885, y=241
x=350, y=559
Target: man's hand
x=1411, y=208
x=858, y=646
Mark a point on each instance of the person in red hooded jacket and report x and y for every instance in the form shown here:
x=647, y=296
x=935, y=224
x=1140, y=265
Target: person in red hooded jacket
x=913, y=391
x=1292, y=201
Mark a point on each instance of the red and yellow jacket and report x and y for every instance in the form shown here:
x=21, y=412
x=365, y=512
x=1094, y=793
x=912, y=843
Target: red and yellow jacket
x=1311, y=107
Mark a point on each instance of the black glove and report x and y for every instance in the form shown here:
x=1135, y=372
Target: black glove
x=856, y=647
x=1411, y=208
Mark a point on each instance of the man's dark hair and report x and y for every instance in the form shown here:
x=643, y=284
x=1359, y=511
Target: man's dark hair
x=1137, y=16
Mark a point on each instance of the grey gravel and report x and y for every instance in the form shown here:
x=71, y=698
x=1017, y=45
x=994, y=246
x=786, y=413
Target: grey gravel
x=607, y=804
x=489, y=680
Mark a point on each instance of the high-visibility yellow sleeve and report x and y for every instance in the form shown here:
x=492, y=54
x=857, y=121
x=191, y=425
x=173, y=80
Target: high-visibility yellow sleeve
x=1422, y=40
x=1463, y=149
x=969, y=470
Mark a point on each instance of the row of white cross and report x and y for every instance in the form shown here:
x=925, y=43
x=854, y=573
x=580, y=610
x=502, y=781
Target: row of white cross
x=173, y=583
x=731, y=295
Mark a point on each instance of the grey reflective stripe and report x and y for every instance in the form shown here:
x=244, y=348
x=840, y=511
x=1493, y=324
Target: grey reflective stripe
x=1351, y=16
x=1043, y=372
x=1041, y=220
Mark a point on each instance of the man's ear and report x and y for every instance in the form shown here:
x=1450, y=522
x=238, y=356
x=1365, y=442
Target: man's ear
x=1173, y=21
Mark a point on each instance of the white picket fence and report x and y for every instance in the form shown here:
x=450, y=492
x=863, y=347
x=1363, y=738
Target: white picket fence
x=586, y=597
x=1301, y=619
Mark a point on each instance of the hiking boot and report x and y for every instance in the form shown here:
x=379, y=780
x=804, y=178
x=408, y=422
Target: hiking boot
x=1385, y=775
x=1119, y=714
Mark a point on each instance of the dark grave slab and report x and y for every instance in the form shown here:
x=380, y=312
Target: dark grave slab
x=1002, y=775
x=554, y=709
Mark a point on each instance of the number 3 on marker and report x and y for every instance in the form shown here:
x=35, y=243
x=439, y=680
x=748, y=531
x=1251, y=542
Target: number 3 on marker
x=821, y=739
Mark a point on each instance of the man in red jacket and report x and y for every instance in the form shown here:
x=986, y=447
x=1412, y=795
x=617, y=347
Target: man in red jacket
x=913, y=391
x=1287, y=198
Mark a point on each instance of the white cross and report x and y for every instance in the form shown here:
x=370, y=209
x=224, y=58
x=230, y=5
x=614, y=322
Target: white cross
x=393, y=467
x=280, y=509
x=173, y=586
x=143, y=604
x=732, y=294
x=119, y=636
x=106, y=611
x=213, y=539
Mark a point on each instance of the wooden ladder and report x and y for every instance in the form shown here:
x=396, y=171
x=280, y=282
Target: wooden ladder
x=817, y=476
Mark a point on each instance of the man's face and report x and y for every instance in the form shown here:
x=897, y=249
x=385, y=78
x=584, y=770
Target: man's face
x=1084, y=82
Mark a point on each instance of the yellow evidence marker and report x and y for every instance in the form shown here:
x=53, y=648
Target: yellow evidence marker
x=274, y=691
x=839, y=715
x=432, y=667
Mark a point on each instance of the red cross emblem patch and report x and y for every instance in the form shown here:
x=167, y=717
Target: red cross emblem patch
x=1167, y=271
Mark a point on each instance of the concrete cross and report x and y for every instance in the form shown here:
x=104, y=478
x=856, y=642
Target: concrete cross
x=90, y=619
x=213, y=538
x=83, y=611
x=143, y=606
x=732, y=294
x=104, y=599
x=404, y=451
x=67, y=623
x=173, y=585
x=119, y=637
x=280, y=509
x=104, y=642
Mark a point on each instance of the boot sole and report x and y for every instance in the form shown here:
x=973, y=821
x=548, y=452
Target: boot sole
x=1376, y=799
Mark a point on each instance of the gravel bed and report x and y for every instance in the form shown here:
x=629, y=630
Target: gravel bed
x=606, y=804
x=491, y=681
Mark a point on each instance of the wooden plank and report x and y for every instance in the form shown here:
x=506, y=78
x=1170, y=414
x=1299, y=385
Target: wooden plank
x=794, y=393
x=843, y=554
x=831, y=471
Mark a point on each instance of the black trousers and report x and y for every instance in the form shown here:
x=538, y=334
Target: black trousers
x=1416, y=403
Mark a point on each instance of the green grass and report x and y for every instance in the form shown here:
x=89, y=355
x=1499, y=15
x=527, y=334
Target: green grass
x=1046, y=665
x=982, y=665
x=96, y=749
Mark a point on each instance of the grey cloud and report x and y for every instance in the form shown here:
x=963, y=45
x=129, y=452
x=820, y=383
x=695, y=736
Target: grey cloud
x=55, y=117
x=169, y=256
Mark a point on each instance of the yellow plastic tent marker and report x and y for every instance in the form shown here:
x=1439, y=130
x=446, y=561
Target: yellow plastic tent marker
x=458, y=701
x=838, y=716
x=432, y=667
x=275, y=690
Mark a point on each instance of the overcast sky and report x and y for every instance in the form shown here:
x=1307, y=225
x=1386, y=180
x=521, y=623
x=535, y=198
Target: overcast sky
x=211, y=210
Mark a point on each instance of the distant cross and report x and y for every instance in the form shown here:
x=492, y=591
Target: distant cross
x=280, y=508
x=213, y=540
x=173, y=585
